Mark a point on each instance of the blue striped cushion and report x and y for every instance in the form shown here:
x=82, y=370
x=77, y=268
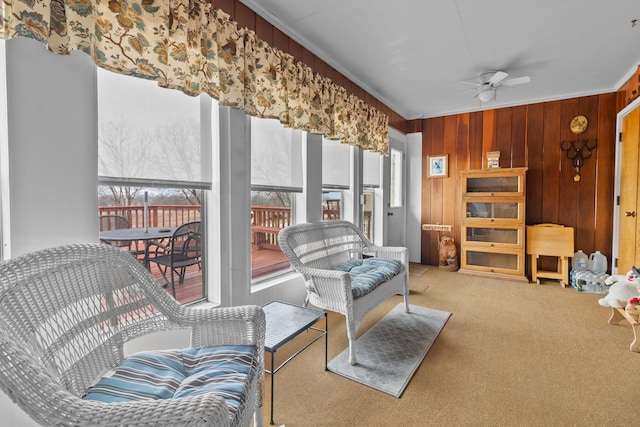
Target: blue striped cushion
x=367, y=274
x=223, y=370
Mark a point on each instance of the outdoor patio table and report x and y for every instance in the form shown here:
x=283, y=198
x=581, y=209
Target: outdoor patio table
x=137, y=234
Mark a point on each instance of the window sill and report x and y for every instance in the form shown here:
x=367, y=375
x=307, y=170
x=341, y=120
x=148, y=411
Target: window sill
x=279, y=280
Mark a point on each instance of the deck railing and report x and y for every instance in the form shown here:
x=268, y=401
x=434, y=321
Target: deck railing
x=159, y=215
x=266, y=221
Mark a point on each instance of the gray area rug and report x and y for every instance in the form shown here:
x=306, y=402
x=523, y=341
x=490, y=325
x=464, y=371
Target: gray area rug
x=389, y=353
x=417, y=269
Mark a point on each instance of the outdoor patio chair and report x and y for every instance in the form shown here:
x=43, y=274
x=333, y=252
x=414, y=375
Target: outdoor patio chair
x=66, y=315
x=117, y=222
x=183, y=250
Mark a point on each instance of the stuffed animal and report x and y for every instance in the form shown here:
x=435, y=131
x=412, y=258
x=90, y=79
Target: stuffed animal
x=446, y=250
x=633, y=308
x=622, y=289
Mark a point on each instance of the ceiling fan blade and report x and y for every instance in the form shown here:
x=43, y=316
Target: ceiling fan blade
x=497, y=77
x=516, y=81
x=471, y=83
x=466, y=90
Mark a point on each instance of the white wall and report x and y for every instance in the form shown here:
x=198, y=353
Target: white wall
x=53, y=156
x=414, y=196
x=52, y=147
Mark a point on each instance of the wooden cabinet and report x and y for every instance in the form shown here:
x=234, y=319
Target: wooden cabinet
x=493, y=223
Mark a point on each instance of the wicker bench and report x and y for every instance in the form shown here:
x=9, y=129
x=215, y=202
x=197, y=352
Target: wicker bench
x=323, y=252
x=66, y=314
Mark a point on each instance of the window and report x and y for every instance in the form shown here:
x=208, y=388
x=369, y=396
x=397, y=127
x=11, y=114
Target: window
x=395, y=188
x=336, y=177
x=371, y=179
x=331, y=205
x=154, y=157
x=276, y=175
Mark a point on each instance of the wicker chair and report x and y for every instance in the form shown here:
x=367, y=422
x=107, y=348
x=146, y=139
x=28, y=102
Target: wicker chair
x=65, y=315
x=316, y=249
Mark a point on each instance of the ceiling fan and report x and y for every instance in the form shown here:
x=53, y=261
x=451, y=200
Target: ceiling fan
x=488, y=83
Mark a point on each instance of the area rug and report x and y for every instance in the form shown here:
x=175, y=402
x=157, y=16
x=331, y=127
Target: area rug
x=417, y=269
x=389, y=353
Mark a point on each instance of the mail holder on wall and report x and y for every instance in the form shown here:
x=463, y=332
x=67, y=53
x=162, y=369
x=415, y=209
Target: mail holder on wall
x=578, y=152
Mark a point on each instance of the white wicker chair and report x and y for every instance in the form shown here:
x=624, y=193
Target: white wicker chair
x=314, y=249
x=65, y=315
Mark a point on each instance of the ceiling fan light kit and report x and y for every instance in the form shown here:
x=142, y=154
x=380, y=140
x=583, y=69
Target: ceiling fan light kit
x=486, y=88
x=487, y=95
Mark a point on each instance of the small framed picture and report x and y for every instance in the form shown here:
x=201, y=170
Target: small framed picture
x=438, y=166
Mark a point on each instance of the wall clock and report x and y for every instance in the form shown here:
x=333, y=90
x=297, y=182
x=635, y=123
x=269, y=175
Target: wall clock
x=579, y=124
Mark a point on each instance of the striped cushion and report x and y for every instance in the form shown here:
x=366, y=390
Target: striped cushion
x=367, y=274
x=223, y=370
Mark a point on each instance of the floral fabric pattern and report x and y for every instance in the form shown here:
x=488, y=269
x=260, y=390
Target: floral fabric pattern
x=194, y=47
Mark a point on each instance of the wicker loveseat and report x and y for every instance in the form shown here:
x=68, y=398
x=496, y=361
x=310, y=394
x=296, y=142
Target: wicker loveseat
x=329, y=255
x=65, y=316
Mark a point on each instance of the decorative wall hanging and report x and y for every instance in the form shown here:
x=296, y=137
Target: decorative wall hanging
x=438, y=166
x=580, y=150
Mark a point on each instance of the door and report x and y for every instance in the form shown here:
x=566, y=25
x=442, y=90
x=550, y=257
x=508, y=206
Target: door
x=396, y=210
x=629, y=235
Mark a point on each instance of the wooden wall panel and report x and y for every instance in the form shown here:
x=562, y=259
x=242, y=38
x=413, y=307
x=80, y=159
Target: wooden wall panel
x=534, y=159
x=530, y=136
x=551, y=162
x=475, y=141
x=518, y=137
x=503, y=136
x=605, y=166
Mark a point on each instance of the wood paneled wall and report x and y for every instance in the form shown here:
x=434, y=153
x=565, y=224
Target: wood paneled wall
x=245, y=17
x=630, y=90
x=529, y=136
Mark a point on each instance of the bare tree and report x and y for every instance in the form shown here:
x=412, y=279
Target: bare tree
x=123, y=152
x=181, y=141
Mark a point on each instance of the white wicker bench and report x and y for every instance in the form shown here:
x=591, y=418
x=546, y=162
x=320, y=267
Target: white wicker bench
x=317, y=249
x=65, y=316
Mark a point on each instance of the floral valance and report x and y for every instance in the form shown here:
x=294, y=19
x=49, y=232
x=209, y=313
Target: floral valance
x=194, y=47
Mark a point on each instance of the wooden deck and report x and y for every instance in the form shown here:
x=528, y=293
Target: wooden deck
x=263, y=262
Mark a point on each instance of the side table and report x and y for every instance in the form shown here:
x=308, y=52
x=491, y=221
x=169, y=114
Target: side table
x=285, y=322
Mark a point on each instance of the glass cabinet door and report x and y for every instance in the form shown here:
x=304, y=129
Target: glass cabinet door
x=492, y=236
x=494, y=210
x=492, y=260
x=496, y=183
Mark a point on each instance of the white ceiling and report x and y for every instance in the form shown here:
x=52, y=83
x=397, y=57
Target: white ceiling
x=413, y=55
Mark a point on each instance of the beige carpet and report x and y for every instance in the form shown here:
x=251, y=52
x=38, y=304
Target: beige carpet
x=417, y=269
x=512, y=354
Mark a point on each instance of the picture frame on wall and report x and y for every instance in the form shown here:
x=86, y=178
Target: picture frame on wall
x=438, y=166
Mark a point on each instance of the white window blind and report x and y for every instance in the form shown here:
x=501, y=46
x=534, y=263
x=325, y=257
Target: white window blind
x=154, y=134
x=371, y=169
x=276, y=156
x=336, y=164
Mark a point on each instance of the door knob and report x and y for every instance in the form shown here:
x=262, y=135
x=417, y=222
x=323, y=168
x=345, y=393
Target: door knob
x=633, y=214
x=389, y=213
